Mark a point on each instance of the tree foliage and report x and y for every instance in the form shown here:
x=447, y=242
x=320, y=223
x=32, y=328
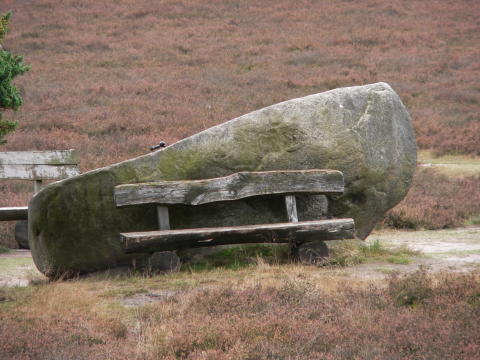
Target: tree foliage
x=10, y=66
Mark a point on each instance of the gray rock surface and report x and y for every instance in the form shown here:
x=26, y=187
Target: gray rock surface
x=163, y=261
x=363, y=131
x=312, y=252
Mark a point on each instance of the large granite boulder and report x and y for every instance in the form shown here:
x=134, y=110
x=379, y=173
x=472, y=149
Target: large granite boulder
x=363, y=131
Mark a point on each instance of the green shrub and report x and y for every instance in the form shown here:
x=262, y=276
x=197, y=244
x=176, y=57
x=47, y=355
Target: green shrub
x=354, y=252
x=10, y=67
x=411, y=289
x=4, y=250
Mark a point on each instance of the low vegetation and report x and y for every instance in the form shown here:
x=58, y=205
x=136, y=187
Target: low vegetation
x=437, y=201
x=10, y=67
x=354, y=252
x=260, y=312
x=236, y=257
x=342, y=253
x=124, y=78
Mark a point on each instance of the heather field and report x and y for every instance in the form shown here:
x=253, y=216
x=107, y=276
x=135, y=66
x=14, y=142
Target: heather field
x=381, y=309
x=110, y=78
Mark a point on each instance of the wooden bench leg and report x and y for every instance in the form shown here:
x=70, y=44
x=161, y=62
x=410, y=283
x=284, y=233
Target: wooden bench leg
x=163, y=218
x=310, y=252
x=291, y=204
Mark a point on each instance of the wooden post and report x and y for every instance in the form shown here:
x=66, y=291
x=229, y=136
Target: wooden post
x=291, y=205
x=163, y=218
x=165, y=261
x=37, y=186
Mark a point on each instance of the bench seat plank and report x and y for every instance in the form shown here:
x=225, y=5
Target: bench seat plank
x=151, y=241
x=13, y=213
x=233, y=187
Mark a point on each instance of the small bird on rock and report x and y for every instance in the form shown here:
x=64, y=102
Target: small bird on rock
x=160, y=145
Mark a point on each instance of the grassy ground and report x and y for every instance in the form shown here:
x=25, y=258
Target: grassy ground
x=454, y=249
x=4, y=250
x=372, y=301
x=9, y=264
x=256, y=312
x=19, y=269
x=451, y=165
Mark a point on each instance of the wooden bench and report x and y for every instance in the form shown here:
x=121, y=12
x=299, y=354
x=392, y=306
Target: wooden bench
x=233, y=187
x=36, y=166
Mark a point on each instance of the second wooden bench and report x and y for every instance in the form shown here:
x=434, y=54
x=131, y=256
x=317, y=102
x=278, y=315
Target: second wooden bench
x=36, y=166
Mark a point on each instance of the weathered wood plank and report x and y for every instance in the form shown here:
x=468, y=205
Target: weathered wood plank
x=233, y=187
x=270, y=233
x=54, y=157
x=291, y=205
x=13, y=213
x=38, y=172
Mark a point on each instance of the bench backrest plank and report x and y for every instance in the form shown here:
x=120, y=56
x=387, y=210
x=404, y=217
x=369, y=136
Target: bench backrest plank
x=50, y=157
x=233, y=187
x=38, y=165
x=37, y=172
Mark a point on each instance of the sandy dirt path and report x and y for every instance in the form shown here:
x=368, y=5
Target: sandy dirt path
x=453, y=250
x=451, y=165
x=17, y=269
